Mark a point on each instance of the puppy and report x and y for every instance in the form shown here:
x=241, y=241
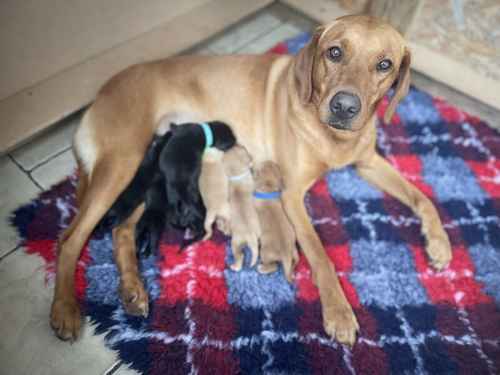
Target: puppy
x=135, y=192
x=179, y=168
x=245, y=228
x=214, y=189
x=278, y=240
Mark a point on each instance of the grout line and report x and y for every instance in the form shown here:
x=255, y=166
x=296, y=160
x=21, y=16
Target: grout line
x=37, y=184
x=26, y=172
x=17, y=163
x=9, y=252
x=114, y=368
x=50, y=158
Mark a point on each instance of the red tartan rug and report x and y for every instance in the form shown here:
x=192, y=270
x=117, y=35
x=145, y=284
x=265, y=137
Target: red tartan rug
x=206, y=319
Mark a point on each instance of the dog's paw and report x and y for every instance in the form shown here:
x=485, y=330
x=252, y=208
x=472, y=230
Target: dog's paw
x=65, y=319
x=439, y=251
x=341, y=324
x=134, y=297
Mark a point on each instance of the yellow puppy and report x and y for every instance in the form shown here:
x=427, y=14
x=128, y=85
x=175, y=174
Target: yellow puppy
x=278, y=240
x=214, y=190
x=245, y=226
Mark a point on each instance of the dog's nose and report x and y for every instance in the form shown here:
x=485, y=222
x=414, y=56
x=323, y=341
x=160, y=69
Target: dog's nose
x=345, y=105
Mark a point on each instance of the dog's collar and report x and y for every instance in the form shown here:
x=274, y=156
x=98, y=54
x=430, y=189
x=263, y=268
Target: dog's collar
x=267, y=195
x=240, y=176
x=209, y=136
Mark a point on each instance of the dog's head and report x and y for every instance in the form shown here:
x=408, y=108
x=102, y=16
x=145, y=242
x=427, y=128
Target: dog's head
x=348, y=66
x=268, y=177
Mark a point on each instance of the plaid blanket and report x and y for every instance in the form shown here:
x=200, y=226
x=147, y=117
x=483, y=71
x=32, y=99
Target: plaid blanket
x=206, y=319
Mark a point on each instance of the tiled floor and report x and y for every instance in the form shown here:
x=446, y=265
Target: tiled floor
x=48, y=158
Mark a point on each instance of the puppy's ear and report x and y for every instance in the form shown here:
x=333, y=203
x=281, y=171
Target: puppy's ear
x=402, y=86
x=303, y=67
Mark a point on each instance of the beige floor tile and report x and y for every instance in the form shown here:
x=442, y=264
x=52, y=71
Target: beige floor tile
x=48, y=144
x=55, y=169
x=15, y=189
x=267, y=41
x=28, y=345
x=243, y=33
x=288, y=15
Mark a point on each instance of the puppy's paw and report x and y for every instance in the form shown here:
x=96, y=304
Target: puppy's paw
x=267, y=268
x=65, y=319
x=223, y=225
x=236, y=266
x=341, y=324
x=134, y=298
x=439, y=251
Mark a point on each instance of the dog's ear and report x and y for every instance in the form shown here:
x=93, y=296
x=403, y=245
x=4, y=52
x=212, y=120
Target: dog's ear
x=303, y=68
x=402, y=86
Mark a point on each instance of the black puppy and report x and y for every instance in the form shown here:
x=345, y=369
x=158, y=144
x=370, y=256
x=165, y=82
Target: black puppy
x=167, y=181
x=135, y=192
x=179, y=171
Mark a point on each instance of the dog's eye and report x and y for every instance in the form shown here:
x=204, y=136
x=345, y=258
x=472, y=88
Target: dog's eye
x=335, y=53
x=384, y=65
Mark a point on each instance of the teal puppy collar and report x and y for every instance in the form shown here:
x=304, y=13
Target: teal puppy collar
x=209, y=136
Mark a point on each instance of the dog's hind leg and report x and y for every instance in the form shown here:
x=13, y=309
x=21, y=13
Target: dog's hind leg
x=108, y=177
x=81, y=186
x=134, y=297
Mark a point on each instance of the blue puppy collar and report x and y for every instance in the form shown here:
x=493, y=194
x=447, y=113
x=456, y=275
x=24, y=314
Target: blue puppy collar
x=209, y=137
x=267, y=196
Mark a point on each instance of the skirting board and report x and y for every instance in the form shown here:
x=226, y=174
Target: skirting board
x=424, y=60
x=32, y=110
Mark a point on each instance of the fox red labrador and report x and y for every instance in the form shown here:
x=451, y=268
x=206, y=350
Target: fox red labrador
x=308, y=113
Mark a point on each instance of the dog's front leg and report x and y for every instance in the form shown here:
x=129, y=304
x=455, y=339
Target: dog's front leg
x=383, y=175
x=339, y=320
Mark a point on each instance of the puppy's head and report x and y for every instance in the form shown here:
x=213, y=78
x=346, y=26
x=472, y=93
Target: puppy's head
x=236, y=161
x=224, y=138
x=267, y=177
x=348, y=66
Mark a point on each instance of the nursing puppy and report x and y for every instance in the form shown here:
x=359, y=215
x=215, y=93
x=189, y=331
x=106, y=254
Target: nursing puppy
x=245, y=228
x=175, y=190
x=214, y=189
x=135, y=192
x=277, y=239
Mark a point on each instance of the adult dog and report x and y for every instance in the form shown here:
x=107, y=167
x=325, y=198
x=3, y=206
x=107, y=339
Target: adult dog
x=308, y=114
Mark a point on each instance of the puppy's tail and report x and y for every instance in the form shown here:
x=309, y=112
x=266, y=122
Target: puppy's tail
x=148, y=233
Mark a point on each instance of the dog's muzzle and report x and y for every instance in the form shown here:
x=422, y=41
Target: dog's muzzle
x=344, y=107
